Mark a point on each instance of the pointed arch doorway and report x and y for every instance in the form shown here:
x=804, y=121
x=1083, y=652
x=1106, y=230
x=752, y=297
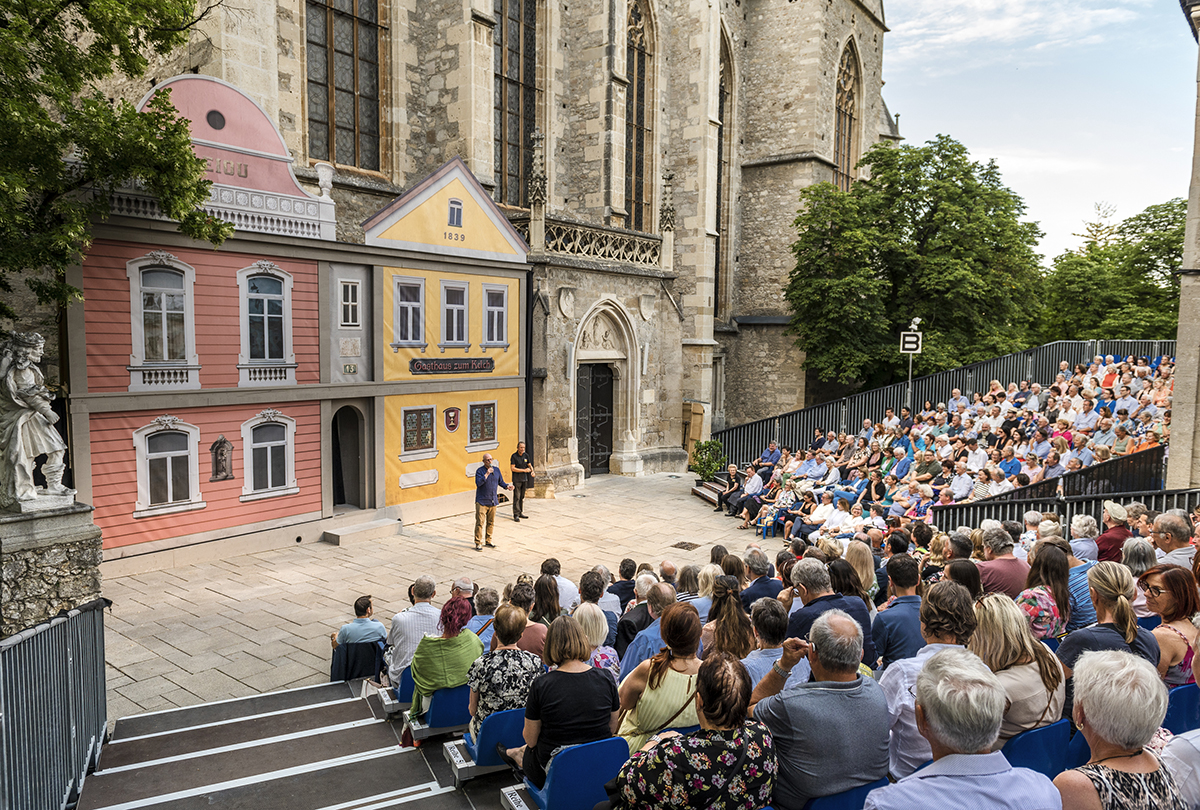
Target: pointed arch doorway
x=606, y=391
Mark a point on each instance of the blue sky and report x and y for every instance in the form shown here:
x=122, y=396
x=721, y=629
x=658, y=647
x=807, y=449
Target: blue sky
x=1078, y=102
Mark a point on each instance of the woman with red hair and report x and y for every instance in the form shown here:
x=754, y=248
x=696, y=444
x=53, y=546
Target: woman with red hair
x=442, y=662
x=1171, y=593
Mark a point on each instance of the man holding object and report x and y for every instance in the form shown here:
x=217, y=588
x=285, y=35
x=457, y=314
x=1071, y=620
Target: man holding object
x=522, y=476
x=487, y=478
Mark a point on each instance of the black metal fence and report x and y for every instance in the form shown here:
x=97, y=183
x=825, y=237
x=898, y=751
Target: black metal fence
x=795, y=429
x=949, y=518
x=54, y=711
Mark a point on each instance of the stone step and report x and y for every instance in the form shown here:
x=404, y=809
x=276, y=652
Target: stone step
x=359, y=532
x=705, y=494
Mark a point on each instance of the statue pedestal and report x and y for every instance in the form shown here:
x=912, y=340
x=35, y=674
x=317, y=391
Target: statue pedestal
x=51, y=562
x=47, y=502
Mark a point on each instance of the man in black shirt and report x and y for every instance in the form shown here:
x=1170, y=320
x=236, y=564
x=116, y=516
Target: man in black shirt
x=522, y=476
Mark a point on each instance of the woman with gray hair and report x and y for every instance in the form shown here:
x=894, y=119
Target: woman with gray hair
x=1138, y=556
x=1084, y=531
x=1120, y=702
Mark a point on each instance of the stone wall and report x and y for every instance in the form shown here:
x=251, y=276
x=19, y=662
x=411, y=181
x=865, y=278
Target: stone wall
x=51, y=562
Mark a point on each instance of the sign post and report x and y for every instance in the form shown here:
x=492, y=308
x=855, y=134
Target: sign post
x=910, y=344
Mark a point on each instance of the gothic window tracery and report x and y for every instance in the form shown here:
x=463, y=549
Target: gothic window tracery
x=515, y=97
x=343, y=39
x=639, y=119
x=845, y=150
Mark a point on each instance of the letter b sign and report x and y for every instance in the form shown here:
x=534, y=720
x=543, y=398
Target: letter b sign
x=910, y=342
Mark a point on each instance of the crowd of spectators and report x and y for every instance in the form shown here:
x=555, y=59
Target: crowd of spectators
x=900, y=652
x=958, y=451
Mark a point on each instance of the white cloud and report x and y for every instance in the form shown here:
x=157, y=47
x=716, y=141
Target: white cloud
x=929, y=35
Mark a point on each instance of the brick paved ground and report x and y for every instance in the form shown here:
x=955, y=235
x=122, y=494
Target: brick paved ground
x=261, y=622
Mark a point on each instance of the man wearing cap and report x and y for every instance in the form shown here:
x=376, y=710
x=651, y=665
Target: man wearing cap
x=1115, y=532
x=465, y=588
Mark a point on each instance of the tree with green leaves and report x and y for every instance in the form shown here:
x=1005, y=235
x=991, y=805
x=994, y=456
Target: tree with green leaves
x=66, y=147
x=932, y=234
x=1121, y=286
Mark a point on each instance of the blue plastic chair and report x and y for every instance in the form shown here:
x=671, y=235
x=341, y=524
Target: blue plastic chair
x=449, y=708
x=1149, y=622
x=1040, y=749
x=575, y=780
x=852, y=799
x=498, y=727
x=404, y=689
x=1078, y=752
x=1183, y=709
x=684, y=730
x=1052, y=643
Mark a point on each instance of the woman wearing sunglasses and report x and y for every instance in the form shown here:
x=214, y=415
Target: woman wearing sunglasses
x=1171, y=593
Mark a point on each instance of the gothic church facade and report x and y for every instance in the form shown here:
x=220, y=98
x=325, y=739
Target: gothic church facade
x=650, y=152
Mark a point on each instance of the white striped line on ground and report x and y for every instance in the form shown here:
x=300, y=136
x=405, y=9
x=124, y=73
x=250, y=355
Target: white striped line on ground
x=275, y=713
x=229, y=700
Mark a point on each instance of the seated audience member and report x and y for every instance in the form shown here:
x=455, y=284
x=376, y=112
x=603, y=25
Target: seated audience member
x=1182, y=758
x=844, y=579
x=500, y=679
x=760, y=585
x=1115, y=531
x=947, y=622
x=546, y=607
x=486, y=601
x=411, y=625
x=1033, y=679
x=1001, y=571
x=732, y=490
x=1111, y=589
x=623, y=587
x=636, y=618
x=533, y=638
x=667, y=572
x=1171, y=594
x=814, y=589
x=1046, y=600
x=591, y=591
x=1120, y=702
x=568, y=594
x=858, y=554
x=609, y=602
x=1083, y=538
x=896, y=631
x=703, y=602
x=733, y=566
x=574, y=703
x=1173, y=536
x=363, y=628
x=1139, y=557
x=658, y=693
x=687, y=588
x=649, y=640
x=728, y=629
x=830, y=732
x=959, y=706
x=442, y=662
x=592, y=619
x=769, y=620
x=727, y=763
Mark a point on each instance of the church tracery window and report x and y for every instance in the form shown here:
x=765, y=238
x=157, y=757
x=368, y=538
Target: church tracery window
x=515, y=96
x=845, y=146
x=639, y=119
x=343, y=45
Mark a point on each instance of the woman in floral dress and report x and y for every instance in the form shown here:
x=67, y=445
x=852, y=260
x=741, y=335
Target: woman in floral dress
x=729, y=764
x=500, y=679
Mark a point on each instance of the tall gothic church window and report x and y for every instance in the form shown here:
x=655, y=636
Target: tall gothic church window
x=514, y=113
x=724, y=124
x=343, y=81
x=639, y=118
x=845, y=148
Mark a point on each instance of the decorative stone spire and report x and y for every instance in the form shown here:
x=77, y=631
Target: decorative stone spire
x=666, y=211
x=537, y=174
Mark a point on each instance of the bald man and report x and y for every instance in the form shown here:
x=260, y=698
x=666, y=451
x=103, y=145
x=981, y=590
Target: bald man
x=487, y=480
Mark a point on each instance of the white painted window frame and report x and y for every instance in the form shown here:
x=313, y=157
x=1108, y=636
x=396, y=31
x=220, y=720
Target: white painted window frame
x=465, y=343
x=486, y=444
x=454, y=205
x=268, y=416
x=142, y=507
x=423, y=454
x=162, y=375
x=343, y=285
x=265, y=373
x=486, y=311
x=397, y=306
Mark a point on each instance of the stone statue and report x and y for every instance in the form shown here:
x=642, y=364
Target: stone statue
x=27, y=429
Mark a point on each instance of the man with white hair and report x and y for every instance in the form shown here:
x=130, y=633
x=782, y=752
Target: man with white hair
x=813, y=587
x=1172, y=536
x=959, y=706
x=1083, y=537
x=411, y=625
x=831, y=732
x=636, y=618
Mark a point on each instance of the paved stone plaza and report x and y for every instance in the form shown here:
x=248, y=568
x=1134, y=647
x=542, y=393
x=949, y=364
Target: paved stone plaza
x=261, y=622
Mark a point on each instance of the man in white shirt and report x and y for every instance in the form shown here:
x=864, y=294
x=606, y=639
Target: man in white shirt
x=410, y=625
x=568, y=594
x=890, y=420
x=1034, y=402
x=977, y=459
x=963, y=482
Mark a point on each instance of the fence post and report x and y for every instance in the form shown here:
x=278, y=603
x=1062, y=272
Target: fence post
x=970, y=386
x=845, y=414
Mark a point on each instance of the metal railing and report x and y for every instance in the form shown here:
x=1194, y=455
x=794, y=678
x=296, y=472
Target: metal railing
x=949, y=518
x=54, y=711
x=743, y=443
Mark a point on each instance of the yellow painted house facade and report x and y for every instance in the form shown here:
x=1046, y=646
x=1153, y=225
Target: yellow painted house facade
x=453, y=316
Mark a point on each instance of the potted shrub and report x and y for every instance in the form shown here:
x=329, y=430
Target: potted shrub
x=707, y=460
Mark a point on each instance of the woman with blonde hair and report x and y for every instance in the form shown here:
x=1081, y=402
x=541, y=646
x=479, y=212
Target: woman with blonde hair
x=703, y=602
x=1034, y=683
x=933, y=562
x=977, y=544
x=729, y=628
x=858, y=554
x=595, y=627
x=1111, y=588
